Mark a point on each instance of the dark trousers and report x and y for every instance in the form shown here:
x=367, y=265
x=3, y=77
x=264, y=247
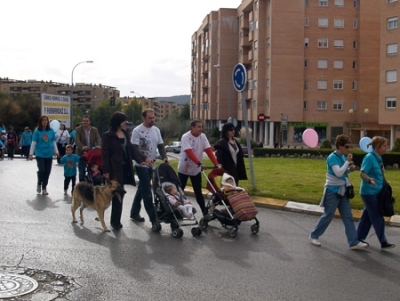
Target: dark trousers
x=196, y=184
x=144, y=193
x=10, y=151
x=61, y=151
x=67, y=180
x=82, y=169
x=44, y=170
x=116, y=212
x=25, y=150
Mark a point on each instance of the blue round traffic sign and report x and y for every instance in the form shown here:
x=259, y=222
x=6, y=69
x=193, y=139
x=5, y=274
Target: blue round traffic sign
x=239, y=77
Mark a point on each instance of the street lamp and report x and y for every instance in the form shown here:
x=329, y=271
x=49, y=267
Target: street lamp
x=351, y=111
x=366, y=111
x=218, y=66
x=133, y=92
x=72, y=90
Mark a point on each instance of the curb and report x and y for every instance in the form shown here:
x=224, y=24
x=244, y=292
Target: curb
x=300, y=207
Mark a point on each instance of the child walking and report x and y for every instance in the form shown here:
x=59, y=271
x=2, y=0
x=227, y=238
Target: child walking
x=177, y=201
x=69, y=160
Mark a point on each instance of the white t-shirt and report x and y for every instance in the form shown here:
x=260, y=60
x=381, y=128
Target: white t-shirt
x=147, y=139
x=197, y=145
x=62, y=136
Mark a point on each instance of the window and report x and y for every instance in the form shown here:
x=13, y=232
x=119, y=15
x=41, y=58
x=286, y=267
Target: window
x=256, y=5
x=391, y=1
x=322, y=85
x=268, y=62
x=322, y=2
x=255, y=44
x=306, y=42
x=254, y=106
x=390, y=102
x=338, y=64
x=250, y=84
x=391, y=49
x=321, y=105
x=354, y=64
x=339, y=3
x=355, y=44
x=255, y=85
x=355, y=3
x=322, y=22
x=305, y=103
x=337, y=105
x=255, y=65
x=355, y=23
x=322, y=64
x=267, y=82
x=339, y=23
x=338, y=85
x=338, y=44
x=268, y=42
x=267, y=104
x=354, y=85
x=306, y=63
x=323, y=43
x=306, y=21
x=307, y=2
x=392, y=23
x=306, y=84
x=391, y=76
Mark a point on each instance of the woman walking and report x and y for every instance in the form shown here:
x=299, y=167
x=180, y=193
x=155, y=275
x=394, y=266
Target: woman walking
x=12, y=142
x=62, y=138
x=229, y=153
x=339, y=164
x=372, y=177
x=43, y=146
x=117, y=156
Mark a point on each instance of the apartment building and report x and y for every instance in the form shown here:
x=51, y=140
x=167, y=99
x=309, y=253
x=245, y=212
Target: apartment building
x=87, y=95
x=330, y=65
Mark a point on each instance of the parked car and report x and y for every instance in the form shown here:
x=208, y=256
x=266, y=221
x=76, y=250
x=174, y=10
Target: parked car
x=174, y=146
x=245, y=150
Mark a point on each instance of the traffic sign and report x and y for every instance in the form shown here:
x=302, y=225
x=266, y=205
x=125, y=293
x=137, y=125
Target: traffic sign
x=239, y=77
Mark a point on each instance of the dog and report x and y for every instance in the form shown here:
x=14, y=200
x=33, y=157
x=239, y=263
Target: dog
x=95, y=197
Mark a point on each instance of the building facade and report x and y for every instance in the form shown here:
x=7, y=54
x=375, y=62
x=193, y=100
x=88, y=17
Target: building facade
x=330, y=65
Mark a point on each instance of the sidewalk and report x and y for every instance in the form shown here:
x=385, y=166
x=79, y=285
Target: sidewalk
x=300, y=207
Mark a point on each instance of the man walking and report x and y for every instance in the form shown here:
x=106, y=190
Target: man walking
x=86, y=138
x=147, y=139
x=193, y=144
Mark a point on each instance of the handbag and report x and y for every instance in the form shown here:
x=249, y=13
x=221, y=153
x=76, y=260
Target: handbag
x=350, y=191
x=386, y=200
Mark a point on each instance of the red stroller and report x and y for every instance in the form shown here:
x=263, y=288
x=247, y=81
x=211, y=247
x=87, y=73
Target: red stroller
x=91, y=157
x=229, y=210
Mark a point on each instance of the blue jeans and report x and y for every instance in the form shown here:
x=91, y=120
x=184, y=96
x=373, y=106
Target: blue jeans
x=333, y=201
x=144, y=192
x=371, y=216
x=44, y=170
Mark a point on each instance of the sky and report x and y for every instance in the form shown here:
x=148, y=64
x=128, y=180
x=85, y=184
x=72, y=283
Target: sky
x=136, y=45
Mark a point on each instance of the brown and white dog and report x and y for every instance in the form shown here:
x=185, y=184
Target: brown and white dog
x=95, y=197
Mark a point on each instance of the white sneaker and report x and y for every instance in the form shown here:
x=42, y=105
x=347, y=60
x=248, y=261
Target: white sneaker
x=38, y=189
x=44, y=192
x=360, y=245
x=315, y=242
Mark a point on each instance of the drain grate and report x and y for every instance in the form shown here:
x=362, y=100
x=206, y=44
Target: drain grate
x=16, y=285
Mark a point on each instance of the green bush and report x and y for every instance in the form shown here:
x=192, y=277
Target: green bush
x=326, y=145
x=396, y=147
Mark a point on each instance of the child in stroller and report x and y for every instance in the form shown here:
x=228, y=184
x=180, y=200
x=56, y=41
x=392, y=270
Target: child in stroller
x=93, y=166
x=183, y=205
x=230, y=204
x=165, y=176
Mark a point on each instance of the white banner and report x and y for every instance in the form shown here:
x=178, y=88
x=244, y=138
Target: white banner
x=56, y=107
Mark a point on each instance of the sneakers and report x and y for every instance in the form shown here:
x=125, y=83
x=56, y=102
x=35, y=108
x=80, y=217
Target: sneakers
x=314, y=241
x=117, y=227
x=362, y=240
x=44, y=192
x=38, y=189
x=360, y=245
x=385, y=245
x=137, y=218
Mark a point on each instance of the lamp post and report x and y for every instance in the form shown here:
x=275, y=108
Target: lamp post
x=218, y=66
x=351, y=111
x=133, y=92
x=366, y=111
x=72, y=90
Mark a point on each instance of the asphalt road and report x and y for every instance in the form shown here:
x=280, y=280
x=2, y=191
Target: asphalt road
x=135, y=263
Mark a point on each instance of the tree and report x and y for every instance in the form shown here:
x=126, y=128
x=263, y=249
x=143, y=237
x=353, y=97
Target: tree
x=134, y=112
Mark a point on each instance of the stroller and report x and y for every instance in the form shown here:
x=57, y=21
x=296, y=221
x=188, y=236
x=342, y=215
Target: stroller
x=165, y=176
x=91, y=157
x=229, y=210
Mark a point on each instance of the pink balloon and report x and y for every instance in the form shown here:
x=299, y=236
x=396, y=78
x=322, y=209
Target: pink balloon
x=310, y=138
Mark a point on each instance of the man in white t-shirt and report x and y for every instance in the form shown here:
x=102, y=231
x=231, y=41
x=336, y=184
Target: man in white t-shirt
x=193, y=144
x=146, y=138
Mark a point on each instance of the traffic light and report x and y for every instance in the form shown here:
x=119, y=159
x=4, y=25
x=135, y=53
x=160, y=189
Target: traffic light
x=112, y=101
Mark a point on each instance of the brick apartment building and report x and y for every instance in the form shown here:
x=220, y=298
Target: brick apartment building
x=330, y=65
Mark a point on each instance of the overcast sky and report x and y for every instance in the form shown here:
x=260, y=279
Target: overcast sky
x=141, y=46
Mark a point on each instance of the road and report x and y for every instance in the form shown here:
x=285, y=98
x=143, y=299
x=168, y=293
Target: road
x=279, y=263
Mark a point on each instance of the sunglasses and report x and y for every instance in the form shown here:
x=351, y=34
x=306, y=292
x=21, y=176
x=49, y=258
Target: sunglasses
x=347, y=146
x=230, y=130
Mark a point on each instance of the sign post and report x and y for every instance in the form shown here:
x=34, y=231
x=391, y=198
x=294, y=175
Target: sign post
x=239, y=78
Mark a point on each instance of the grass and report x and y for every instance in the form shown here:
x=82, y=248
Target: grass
x=299, y=180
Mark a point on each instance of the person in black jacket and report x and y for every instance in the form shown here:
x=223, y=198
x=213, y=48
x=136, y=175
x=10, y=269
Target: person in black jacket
x=229, y=153
x=117, y=156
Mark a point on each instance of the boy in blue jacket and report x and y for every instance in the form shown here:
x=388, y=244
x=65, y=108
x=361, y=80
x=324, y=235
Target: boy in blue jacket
x=69, y=160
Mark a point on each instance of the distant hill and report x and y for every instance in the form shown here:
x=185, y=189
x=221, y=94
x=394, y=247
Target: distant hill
x=180, y=99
